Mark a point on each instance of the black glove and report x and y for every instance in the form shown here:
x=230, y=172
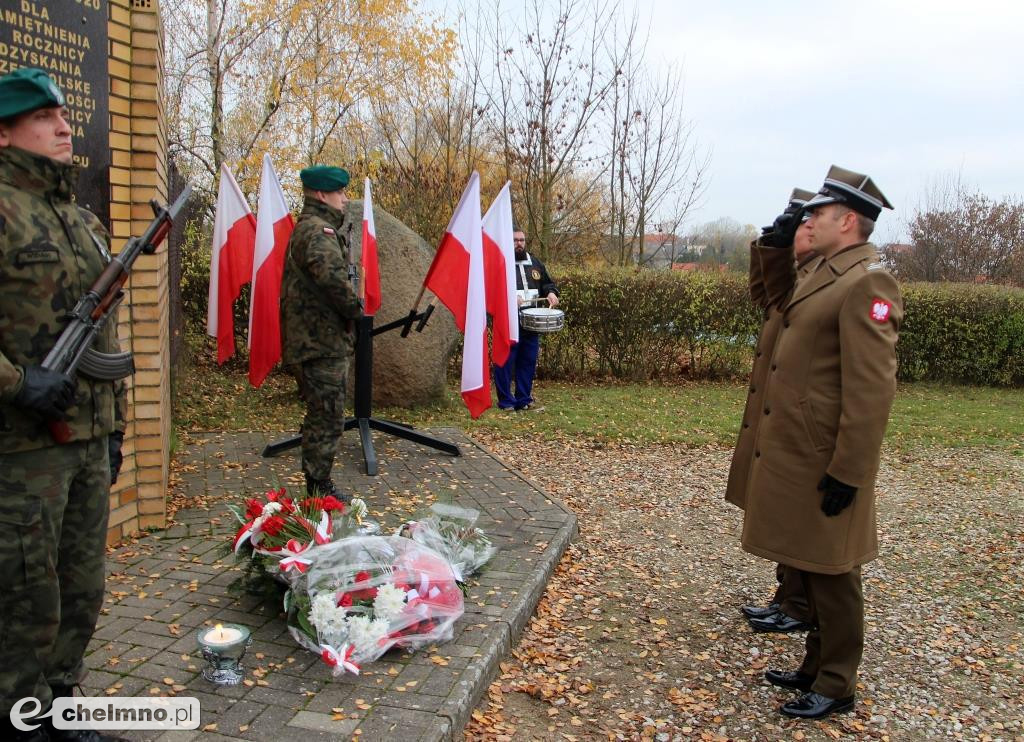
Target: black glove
x=114, y=441
x=783, y=230
x=46, y=393
x=837, y=495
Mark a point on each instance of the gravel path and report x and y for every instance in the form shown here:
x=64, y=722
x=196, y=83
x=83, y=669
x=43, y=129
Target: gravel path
x=639, y=634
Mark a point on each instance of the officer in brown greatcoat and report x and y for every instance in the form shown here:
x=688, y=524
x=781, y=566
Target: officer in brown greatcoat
x=810, y=500
x=788, y=610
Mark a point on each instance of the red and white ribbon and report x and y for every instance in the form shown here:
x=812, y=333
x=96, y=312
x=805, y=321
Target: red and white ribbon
x=342, y=658
x=323, y=529
x=293, y=561
x=245, y=533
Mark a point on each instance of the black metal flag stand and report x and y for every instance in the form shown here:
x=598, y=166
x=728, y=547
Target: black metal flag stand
x=363, y=394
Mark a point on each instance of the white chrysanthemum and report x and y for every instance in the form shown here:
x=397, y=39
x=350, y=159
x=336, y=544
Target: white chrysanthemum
x=328, y=619
x=366, y=635
x=389, y=602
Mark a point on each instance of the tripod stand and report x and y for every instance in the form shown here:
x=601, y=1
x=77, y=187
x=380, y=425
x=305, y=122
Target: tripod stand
x=363, y=393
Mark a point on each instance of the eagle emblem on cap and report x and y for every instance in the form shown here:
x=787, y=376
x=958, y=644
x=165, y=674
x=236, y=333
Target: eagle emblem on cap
x=55, y=92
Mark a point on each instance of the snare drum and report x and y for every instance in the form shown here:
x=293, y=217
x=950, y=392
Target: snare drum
x=541, y=319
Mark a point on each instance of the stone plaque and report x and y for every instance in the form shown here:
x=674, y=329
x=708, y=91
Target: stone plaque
x=68, y=39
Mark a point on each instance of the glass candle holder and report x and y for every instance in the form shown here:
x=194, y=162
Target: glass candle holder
x=223, y=647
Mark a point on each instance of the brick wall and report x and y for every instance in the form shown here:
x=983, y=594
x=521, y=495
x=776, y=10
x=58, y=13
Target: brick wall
x=138, y=173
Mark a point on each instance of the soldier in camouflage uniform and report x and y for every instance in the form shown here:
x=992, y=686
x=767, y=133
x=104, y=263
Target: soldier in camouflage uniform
x=318, y=308
x=54, y=499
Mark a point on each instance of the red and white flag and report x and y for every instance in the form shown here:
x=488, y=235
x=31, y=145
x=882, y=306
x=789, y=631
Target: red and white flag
x=274, y=226
x=457, y=278
x=234, y=237
x=371, y=268
x=500, y=277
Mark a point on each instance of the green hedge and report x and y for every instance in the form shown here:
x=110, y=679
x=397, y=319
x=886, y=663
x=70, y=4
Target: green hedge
x=962, y=333
x=649, y=324
x=633, y=324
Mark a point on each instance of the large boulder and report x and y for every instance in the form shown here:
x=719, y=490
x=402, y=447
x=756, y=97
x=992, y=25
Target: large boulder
x=412, y=370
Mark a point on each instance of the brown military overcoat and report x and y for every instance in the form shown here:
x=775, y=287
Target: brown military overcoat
x=827, y=396
x=776, y=265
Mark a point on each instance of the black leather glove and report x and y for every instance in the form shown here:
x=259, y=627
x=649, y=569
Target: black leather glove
x=46, y=393
x=783, y=230
x=837, y=495
x=114, y=442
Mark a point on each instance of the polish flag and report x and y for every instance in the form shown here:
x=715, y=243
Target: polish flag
x=371, y=268
x=274, y=226
x=457, y=278
x=234, y=237
x=500, y=277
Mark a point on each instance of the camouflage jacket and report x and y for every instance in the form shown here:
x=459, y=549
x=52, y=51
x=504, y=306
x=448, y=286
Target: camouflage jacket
x=318, y=301
x=51, y=251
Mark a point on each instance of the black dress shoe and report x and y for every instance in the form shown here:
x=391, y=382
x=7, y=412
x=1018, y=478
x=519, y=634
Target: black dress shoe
x=759, y=611
x=790, y=679
x=779, y=623
x=816, y=706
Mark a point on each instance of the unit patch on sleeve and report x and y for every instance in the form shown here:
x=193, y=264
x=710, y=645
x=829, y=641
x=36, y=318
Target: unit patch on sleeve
x=328, y=230
x=880, y=309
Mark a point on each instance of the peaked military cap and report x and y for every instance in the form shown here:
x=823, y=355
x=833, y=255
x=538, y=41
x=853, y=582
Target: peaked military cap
x=326, y=178
x=852, y=190
x=27, y=89
x=799, y=197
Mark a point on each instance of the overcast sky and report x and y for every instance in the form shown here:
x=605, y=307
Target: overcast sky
x=906, y=91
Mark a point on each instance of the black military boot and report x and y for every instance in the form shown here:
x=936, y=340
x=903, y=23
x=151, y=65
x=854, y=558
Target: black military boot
x=324, y=487
x=74, y=735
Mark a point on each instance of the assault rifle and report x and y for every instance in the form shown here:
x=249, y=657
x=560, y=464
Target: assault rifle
x=73, y=351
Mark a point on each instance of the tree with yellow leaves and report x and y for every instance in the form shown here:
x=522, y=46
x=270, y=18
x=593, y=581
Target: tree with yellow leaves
x=295, y=78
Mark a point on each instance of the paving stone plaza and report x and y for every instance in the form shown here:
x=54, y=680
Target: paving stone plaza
x=169, y=584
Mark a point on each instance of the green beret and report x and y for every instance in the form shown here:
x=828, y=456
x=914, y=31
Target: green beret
x=326, y=178
x=27, y=89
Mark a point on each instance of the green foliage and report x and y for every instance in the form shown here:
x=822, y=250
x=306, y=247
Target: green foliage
x=962, y=333
x=195, y=272
x=640, y=325
x=633, y=324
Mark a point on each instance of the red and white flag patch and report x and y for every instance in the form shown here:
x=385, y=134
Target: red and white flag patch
x=880, y=309
x=328, y=230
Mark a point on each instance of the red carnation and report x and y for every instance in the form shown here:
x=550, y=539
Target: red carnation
x=345, y=601
x=331, y=502
x=273, y=525
x=366, y=593
x=254, y=509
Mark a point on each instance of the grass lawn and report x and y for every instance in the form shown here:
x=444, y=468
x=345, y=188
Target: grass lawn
x=210, y=398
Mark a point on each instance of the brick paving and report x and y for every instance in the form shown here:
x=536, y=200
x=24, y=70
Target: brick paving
x=166, y=586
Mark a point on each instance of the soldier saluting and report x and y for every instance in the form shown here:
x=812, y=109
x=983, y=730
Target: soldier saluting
x=810, y=501
x=54, y=499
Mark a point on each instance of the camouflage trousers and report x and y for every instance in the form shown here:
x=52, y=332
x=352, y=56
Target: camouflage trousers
x=54, y=505
x=322, y=387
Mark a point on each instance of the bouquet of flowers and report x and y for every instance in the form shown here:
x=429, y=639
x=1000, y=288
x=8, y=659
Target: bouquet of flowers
x=283, y=531
x=364, y=595
x=451, y=531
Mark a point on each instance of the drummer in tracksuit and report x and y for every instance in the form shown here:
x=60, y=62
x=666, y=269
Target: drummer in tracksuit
x=532, y=282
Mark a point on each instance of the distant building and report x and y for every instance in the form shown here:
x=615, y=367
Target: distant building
x=662, y=249
x=709, y=267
